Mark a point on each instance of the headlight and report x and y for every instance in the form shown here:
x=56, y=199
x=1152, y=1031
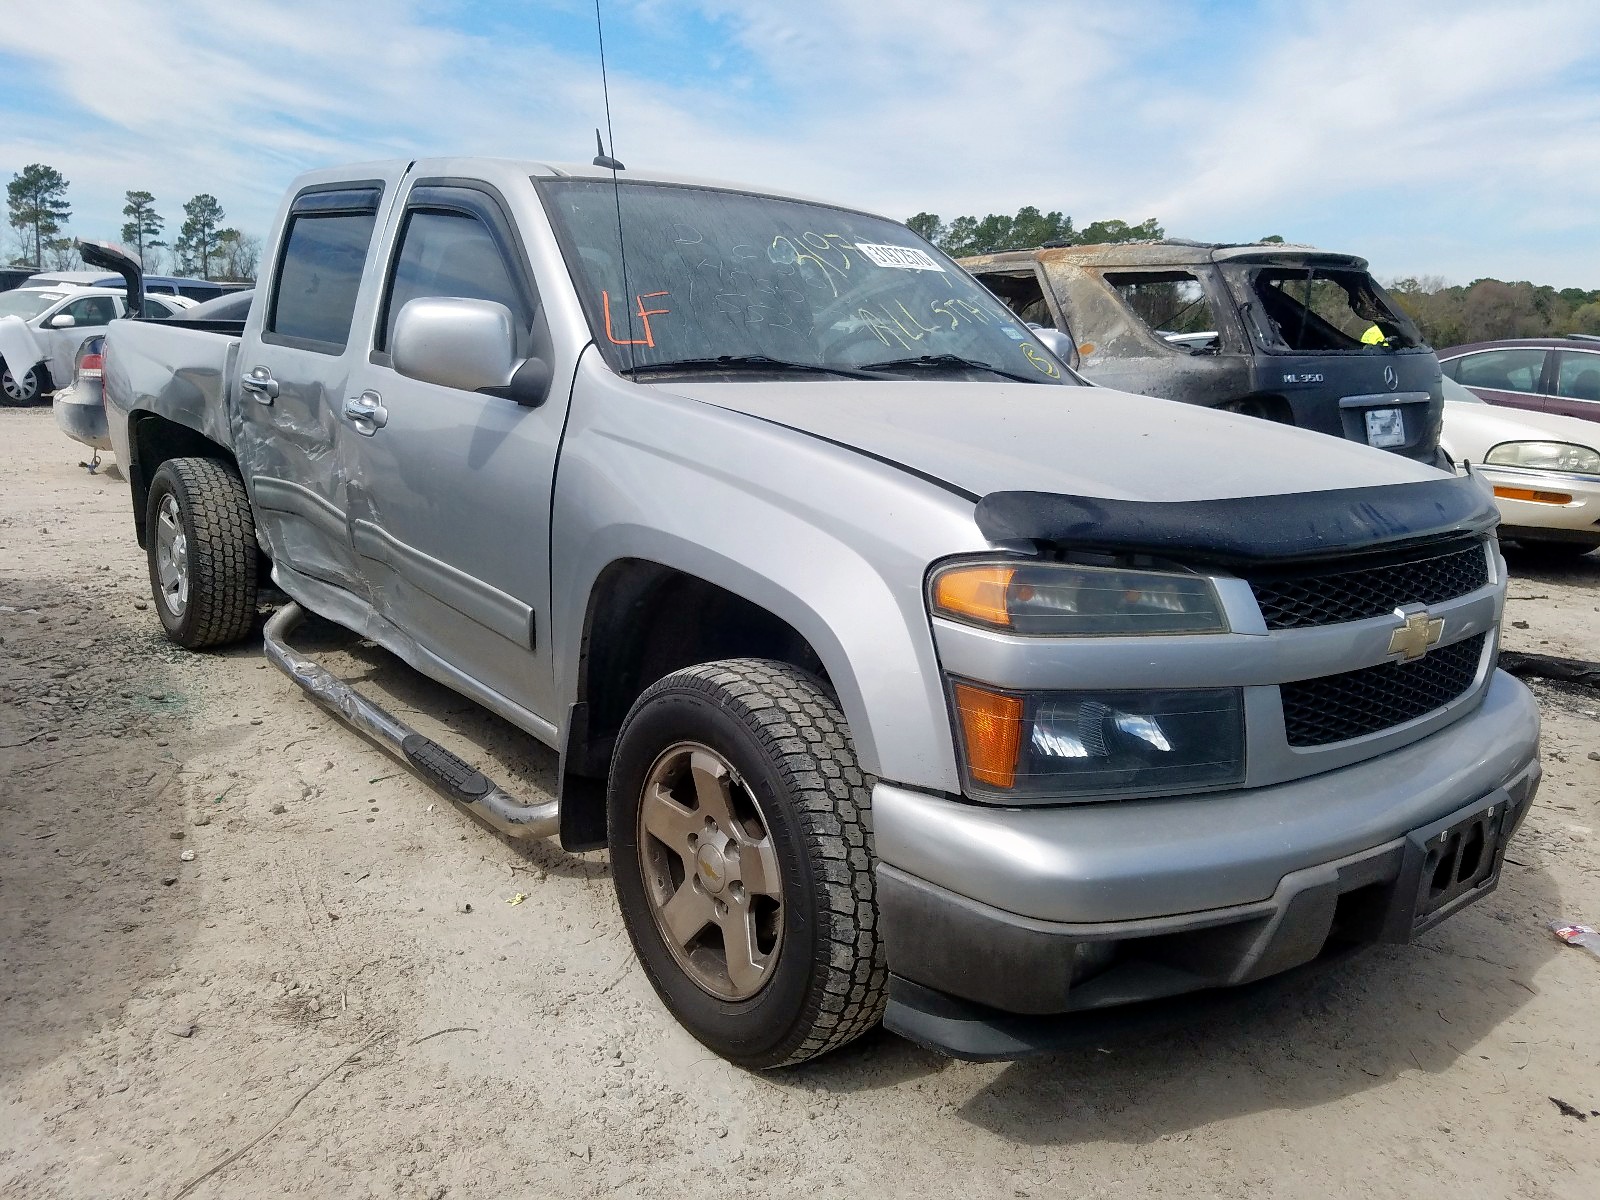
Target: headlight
x=1123, y=744
x=1545, y=456
x=1062, y=599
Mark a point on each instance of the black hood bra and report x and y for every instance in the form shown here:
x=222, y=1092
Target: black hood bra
x=1248, y=529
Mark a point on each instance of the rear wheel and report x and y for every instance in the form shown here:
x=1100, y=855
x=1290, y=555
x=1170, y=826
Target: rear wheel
x=741, y=855
x=200, y=538
x=16, y=392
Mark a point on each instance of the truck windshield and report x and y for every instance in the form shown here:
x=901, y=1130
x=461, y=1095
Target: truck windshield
x=27, y=304
x=718, y=281
x=1318, y=309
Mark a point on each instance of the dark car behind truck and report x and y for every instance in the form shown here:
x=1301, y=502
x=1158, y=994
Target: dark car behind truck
x=1295, y=335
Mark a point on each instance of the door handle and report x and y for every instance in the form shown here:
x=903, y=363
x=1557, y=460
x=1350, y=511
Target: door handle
x=260, y=384
x=366, y=412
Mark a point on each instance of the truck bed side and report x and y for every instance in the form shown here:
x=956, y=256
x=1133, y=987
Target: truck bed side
x=168, y=390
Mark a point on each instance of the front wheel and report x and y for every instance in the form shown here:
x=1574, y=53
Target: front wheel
x=17, y=392
x=741, y=854
x=200, y=538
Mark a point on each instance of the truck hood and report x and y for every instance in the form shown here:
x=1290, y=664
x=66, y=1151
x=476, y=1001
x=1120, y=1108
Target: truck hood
x=1078, y=441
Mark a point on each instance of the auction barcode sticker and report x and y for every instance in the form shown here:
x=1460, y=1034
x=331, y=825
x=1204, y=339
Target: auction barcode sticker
x=906, y=258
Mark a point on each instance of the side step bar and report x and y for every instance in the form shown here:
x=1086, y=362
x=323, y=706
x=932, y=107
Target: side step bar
x=456, y=780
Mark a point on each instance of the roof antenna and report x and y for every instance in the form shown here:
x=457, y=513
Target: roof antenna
x=608, y=162
x=601, y=158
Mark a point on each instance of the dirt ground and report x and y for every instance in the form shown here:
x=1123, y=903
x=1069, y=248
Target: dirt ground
x=215, y=903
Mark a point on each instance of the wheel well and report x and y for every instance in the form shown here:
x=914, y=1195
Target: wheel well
x=151, y=441
x=1267, y=407
x=644, y=622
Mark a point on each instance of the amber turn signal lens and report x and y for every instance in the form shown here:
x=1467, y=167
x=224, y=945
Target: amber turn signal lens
x=1537, y=497
x=991, y=730
x=975, y=592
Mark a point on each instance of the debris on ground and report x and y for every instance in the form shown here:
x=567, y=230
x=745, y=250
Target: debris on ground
x=1569, y=1110
x=1577, y=935
x=1550, y=666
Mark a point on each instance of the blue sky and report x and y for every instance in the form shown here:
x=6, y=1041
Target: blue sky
x=1453, y=139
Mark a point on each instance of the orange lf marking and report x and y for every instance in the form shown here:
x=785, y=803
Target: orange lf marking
x=644, y=316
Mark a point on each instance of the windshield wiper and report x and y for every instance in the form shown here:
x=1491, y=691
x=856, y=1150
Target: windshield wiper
x=946, y=361
x=746, y=362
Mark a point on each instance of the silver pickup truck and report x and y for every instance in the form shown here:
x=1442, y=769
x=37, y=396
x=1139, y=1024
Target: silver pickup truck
x=904, y=677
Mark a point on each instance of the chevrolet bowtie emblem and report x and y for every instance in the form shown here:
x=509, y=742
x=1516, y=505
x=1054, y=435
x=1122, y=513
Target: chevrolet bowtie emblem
x=1419, y=633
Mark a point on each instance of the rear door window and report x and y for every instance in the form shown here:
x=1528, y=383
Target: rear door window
x=1517, y=370
x=1172, y=305
x=315, y=297
x=1578, y=377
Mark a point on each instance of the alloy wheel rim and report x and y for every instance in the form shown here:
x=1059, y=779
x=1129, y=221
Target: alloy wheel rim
x=172, y=557
x=16, y=389
x=710, y=871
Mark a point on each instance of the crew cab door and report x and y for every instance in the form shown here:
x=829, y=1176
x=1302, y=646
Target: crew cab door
x=297, y=364
x=449, y=490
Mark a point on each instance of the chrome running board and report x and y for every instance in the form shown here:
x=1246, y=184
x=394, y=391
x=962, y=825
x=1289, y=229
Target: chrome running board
x=458, y=781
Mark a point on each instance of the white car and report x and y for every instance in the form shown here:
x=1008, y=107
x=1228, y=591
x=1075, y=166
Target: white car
x=41, y=329
x=40, y=332
x=1544, y=468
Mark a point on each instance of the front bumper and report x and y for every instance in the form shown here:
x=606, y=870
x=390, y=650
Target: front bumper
x=1578, y=520
x=988, y=913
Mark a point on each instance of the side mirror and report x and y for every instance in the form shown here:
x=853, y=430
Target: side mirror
x=1059, y=344
x=455, y=342
x=63, y=321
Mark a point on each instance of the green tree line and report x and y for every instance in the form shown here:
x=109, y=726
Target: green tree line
x=38, y=209
x=987, y=235
x=1486, y=309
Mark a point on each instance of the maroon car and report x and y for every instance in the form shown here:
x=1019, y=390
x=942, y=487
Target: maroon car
x=1550, y=374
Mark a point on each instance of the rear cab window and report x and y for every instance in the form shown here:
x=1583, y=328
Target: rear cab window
x=320, y=267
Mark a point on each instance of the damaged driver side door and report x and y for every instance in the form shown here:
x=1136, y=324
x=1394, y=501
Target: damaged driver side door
x=449, y=486
x=295, y=369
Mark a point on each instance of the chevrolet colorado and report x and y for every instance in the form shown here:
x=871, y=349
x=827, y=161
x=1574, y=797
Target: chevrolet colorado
x=905, y=678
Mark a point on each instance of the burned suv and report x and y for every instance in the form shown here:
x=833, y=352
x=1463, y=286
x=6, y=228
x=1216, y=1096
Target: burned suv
x=1296, y=335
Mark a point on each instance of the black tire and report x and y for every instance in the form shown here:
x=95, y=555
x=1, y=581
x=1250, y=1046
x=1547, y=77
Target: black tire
x=29, y=390
x=789, y=745
x=213, y=515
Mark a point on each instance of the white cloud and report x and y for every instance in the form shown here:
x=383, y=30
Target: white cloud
x=1432, y=136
